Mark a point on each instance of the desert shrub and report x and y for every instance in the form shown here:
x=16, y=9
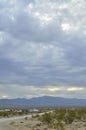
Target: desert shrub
x=70, y=116
x=59, y=126
x=68, y=119
x=46, y=118
x=21, y=122
x=39, y=124
x=26, y=118
x=60, y=116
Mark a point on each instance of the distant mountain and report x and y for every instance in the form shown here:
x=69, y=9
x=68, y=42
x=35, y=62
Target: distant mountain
x=45, y=101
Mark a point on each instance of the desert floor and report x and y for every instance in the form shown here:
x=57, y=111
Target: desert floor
x=35, y=124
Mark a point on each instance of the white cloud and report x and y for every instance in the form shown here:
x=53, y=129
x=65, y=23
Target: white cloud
x=76, y=89
x=54, y=89
x=66, y=27
x=27, y=91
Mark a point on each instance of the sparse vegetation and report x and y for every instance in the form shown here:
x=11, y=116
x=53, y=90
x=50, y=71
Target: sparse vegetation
x=57, y=119
x=61, y=117
x=11, y=113
x=46, y=118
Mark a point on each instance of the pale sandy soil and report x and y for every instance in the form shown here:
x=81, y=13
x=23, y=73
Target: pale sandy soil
x=5, y=126
x=4, y=122
x=29, y=124
x=33, y=124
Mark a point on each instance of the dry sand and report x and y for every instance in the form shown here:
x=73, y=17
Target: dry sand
x=33, y=124
x=6, y=126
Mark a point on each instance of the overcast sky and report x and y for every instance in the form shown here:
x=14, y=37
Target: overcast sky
x=42, y=48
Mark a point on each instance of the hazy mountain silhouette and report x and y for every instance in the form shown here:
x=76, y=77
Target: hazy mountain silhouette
x=42, y=101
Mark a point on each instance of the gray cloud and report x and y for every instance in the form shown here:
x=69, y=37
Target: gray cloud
x=42, y=44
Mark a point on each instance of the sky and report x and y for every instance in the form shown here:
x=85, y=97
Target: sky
x=42, y=48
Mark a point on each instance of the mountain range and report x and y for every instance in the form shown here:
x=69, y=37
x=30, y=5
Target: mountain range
x=45, y=101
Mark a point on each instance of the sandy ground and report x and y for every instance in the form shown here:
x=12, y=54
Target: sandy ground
x=5, y=126
x=33, y=124
x=5, y=122
x=20, y=123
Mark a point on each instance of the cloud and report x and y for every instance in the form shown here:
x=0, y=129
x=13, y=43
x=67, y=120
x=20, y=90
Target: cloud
x=42, y=44
x=28, y=91
x=75, y=89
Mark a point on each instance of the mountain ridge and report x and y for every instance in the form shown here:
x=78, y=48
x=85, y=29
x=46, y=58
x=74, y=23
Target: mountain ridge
x=44, y=101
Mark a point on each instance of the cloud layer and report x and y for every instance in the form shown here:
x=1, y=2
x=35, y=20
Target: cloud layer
x=42, y=44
